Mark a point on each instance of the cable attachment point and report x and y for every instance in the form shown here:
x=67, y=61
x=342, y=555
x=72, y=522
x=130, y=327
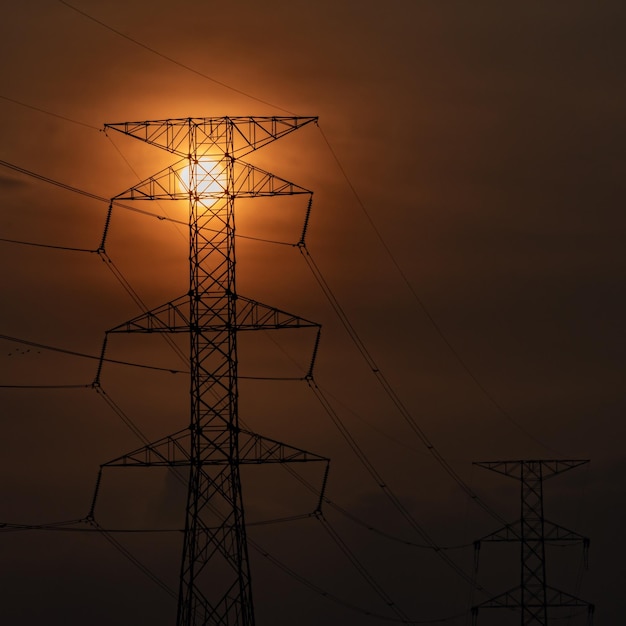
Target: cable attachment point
x=96, y=381
x=107, y=221
x=90, y=516
x=476, y=554
x=306, y=221
x=318, y=509
x=309, y=374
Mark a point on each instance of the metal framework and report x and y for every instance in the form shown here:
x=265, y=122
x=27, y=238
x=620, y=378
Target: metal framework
x=533, y=597
x=215, y=583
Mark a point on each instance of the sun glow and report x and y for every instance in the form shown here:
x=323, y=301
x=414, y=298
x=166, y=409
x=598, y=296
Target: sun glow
x=206, y=177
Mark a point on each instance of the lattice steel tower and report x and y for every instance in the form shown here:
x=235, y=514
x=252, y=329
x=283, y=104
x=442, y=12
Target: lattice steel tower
x=215, y=573
x=533, y=597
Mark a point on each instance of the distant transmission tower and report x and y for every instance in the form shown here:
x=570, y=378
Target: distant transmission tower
x=215, y=573
x=533, y=597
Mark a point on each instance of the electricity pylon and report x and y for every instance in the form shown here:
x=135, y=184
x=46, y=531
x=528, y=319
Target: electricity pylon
x=533, y=597
x=215, y=583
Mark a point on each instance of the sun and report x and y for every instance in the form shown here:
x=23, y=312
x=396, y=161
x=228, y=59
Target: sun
x=206, y=176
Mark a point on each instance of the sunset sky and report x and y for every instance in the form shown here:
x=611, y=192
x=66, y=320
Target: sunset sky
x=468, y=174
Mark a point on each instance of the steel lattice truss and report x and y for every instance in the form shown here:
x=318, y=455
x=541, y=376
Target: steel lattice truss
x=533, y=597
x=215, y=574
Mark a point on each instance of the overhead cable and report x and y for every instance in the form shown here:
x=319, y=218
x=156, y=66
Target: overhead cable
x=83, y=355
x=61, y=117
x=389, y=390
x=82, y=192
x=170, y=59
x=422, y=305
x=389, y=493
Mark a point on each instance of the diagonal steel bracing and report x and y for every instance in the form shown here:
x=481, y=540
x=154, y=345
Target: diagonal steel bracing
x=533, y=597
x=215, y=583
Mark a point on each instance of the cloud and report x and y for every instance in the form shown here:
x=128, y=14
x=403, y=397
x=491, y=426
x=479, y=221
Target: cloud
x=8, y=183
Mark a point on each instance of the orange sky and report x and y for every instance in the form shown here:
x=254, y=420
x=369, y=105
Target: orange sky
x=485, y=142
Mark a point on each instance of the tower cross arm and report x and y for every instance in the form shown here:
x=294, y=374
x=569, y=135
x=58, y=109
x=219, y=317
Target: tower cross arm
x=254, y=448
x=513, y=599
x=168, y=184
x=555, y=532
x=170, y=317
x=551, y=532
x=250, y=181
x=236, y=135
x=558, y=598
x=510, y=532
x=514, y=469
x=169, y=451
x=255, y=132
x=253, y=315
x=507, y=599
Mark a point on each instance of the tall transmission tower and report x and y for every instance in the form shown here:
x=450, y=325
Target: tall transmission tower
x=215, y=585
x=533, y=597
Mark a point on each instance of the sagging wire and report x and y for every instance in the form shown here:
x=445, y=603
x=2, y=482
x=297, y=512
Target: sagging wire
x=132, y=169
x=170, y=59
x=45, y=245
x=95, y=527
x=373, y=426
x=117, y=273
x=423, y=307
x=324, y=500
x=125, y=552
x=337, y=600
x=391, y=496
x=82, y=192
x=83, y=355
x=309, y=375
x=134, y=560
x=91, y=519
x=356, y=563
x=391, y=393
x=71, y=528
x=61, y=117
x=64, y=525
x=84, y=386
x=121, y=414
x=346, y=513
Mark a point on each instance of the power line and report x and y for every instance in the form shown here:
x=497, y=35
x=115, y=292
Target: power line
x=122, y=415
x=357, y=520
x=81, y=192
x=365, y=355
x=387, y=249
x=172, y=60
x=84, y=386
x=336, y=599
x=132, y=169
x=391, y=496
x=167, y=217
x=70, y=526
x=84, y=355
x=134, y=560
x=45, y=245
x=422, y=305
x=358, y=565
x=393, y=396
x=61, y=117
x=402, y=618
